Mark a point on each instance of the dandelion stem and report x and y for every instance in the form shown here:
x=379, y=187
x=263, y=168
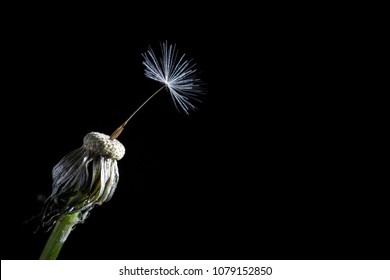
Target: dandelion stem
x=119, y=130
x=58, y=236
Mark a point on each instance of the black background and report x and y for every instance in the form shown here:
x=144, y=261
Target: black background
x=272, y=165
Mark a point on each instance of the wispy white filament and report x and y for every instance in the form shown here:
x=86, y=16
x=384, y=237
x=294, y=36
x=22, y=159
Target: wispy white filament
x=177, y=73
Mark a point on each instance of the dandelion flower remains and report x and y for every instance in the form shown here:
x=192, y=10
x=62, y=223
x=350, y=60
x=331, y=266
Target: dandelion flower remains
x=84, y=178
x=88, y=176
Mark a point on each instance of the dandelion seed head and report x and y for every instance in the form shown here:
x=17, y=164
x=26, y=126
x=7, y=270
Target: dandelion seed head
x=101, y=144
x=177, y=73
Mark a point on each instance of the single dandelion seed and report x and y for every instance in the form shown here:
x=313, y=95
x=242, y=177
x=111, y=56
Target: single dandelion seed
x=88, y=176
x=177, y=74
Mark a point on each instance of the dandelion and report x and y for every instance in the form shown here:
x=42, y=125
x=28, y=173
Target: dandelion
x=88, y=176
x=84, y=178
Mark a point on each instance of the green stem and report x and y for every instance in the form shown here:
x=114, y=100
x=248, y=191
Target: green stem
x=58, y=236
